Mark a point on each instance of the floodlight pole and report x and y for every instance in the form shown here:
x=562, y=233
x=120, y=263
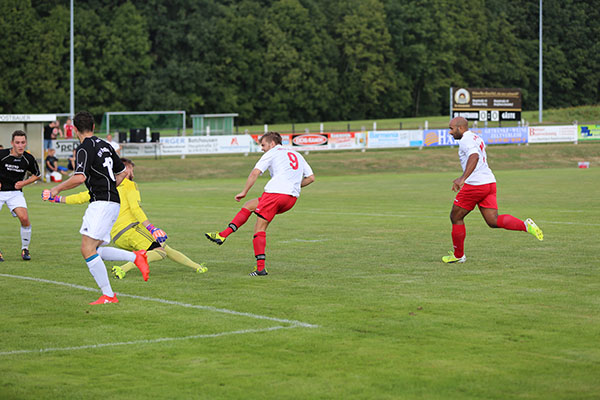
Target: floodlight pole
x=540, y=65
x=72, y=78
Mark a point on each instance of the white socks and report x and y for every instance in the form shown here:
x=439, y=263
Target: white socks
x=98, y=271
x=25, y=237
x=114, y=254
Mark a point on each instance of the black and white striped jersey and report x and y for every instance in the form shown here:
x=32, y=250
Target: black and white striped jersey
x=13, y=169
x=99, y=163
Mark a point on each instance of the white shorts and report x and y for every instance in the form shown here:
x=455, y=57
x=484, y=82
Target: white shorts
x=99, y=219
x=13, y=199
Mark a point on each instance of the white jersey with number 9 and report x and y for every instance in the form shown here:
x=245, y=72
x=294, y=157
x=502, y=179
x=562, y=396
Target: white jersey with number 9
x=287, y=168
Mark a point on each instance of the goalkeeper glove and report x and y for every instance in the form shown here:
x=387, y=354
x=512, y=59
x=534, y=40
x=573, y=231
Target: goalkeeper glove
x=47, y=196
x=158, y=234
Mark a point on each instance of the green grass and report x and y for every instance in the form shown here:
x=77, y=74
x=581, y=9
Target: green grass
x=359, y=256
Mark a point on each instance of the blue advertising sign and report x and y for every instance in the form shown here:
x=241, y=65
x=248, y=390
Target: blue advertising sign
x=438, y=137
x=441, y=137
x=502, y=135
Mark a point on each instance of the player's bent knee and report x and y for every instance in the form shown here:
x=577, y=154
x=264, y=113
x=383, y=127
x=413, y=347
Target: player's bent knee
x=492, y=224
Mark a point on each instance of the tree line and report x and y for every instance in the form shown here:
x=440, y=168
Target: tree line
x=293, y=60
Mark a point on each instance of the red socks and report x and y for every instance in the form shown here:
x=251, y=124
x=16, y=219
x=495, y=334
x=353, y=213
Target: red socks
x=459, y=233
x=260, y=243
x=511, y=223
x=240, y=219
x=505, y=221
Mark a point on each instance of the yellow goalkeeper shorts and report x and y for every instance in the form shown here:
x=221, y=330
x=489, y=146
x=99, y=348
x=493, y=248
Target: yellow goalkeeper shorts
x=136, y=238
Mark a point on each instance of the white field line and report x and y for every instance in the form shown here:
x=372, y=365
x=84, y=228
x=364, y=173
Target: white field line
x=148, y=341
x=171, y=302
x=304, y=240
x=292, y=323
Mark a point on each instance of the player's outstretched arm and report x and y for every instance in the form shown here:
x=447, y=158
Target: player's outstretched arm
x=28, y=181
x=249, y=183
x=70, y=183
x=78, y=198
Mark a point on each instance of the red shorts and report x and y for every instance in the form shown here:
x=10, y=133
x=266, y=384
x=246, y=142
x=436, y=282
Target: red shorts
x=482, y=195
x=271, y=204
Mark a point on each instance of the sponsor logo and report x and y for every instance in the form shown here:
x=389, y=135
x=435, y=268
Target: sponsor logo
x=462, y=96
x=234, y=142
x=309, y=140
x=431, y=138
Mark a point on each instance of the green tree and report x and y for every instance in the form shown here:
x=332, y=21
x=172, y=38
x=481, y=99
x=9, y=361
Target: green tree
x=366, y=70
x=298, y=76
x=31, y=59
x=112, y=54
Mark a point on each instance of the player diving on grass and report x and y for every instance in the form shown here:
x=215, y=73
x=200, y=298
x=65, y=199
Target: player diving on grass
x=133, y=231
x=477, y=187
x=98, y=166
x=289, y=172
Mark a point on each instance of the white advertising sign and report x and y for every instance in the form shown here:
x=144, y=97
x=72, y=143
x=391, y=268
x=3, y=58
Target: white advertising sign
x=64, y=148
x=382, y=139
x=178, y=145
x=140, y=149
x=27, y=117
x=547, y=134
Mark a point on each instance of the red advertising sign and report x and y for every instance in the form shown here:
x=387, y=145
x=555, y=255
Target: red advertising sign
x=310, y=139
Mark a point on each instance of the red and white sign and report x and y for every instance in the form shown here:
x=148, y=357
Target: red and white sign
x=310, y=139
x=548, y=134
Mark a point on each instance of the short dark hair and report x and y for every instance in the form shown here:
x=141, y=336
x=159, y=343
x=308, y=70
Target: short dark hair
x=18, y=133
x=84, y=121
x=127, y=161
x=271, y=137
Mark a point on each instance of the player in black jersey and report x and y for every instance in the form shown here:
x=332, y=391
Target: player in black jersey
x=98, y=166
x=14, y=164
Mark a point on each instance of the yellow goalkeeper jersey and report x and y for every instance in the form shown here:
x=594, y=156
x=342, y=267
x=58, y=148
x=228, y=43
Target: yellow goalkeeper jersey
x=130, y=211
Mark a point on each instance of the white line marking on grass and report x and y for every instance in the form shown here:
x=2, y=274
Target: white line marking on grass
x=292, y=323
x=304, y=240
x=148, y=341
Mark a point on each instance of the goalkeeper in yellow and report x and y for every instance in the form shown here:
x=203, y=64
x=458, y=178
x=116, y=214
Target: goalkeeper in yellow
x=132, y=230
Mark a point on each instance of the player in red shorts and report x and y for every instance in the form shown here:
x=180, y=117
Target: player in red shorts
x=477, y=187
x=289, y=172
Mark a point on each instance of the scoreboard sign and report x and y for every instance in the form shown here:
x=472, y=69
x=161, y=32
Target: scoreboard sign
x=486, y=104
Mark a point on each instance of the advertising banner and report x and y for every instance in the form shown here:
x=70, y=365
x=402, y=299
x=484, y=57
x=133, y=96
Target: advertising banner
x=347, y=140
x=438, y=137
x=589, y=132
x=173, y=145
x=64, y=148
x=442, y=137
x=321, y=141
x=177, y=145
x=549, y=134
x=310, y=141
x=502, y=135
x=234, y=143
x=383, y=139
x=140, y=149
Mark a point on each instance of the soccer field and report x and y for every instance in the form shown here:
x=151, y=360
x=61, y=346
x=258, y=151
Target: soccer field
x=357, y=303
